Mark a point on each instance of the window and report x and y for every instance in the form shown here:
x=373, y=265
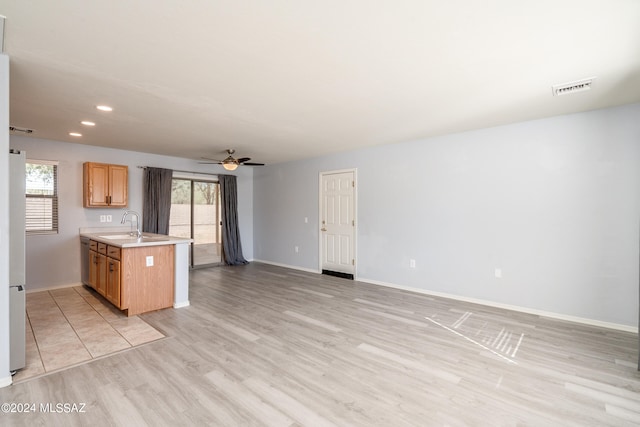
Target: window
x=42, y=197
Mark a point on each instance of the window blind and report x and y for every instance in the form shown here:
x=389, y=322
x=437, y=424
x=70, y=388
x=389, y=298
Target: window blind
x=41, y=197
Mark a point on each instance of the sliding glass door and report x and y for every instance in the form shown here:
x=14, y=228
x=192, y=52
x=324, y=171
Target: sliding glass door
x=195, y=214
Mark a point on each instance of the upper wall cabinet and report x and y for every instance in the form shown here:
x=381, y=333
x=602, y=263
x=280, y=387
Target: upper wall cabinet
x=105, y=186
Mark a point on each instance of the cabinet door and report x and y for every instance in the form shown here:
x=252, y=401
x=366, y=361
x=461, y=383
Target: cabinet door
x=112, y=291
x=147, y=287
x=96, y=185
x=93, y=268
x=118, y=186
x=101, y=280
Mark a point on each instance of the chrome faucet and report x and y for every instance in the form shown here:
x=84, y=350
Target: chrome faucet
x=137, y=233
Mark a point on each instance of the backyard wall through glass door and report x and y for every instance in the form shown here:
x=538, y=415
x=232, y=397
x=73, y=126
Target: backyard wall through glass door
x=195, y=214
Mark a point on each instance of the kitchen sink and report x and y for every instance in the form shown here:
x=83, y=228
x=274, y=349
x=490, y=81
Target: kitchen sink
x=117, y=236
x=129, y=237
x=155, y=238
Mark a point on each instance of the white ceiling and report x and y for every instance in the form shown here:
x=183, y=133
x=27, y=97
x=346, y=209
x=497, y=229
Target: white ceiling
x=284, y=80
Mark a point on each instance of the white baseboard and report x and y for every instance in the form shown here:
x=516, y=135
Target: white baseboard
x=549, y=314
x=552, y=315
x=293, y=267
x=6, y=381
x=52, y=288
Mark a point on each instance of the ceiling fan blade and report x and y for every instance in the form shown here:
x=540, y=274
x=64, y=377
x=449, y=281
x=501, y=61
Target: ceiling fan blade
x=230, y=159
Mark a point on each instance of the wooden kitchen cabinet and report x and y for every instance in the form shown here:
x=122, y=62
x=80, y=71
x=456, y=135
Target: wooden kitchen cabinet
x=93, y=264
x=97, y=271
x=105, y=185
x=93, y=269
x=137, y=279
x=112, y=286
x=100, y=268
x=146, y=287
x=102, y=274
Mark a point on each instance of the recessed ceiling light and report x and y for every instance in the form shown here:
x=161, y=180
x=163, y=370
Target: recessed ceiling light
x=87, y=123
x=75, y=134
x=104, y=108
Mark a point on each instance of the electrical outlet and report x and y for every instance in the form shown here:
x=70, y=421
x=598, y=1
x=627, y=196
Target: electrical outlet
x=412, y=263
x=150, y=261
x=103, y=218
x=306, y=220
x=498, y=273
x=296, y=249
x=109, y=218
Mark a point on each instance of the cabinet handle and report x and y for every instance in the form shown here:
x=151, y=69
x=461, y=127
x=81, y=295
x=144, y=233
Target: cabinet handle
x=110, y=266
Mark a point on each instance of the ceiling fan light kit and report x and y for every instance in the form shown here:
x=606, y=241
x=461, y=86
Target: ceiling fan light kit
x=231, y=163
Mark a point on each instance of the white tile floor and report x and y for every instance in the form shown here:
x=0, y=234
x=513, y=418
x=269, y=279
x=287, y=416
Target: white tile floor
x=69, y=326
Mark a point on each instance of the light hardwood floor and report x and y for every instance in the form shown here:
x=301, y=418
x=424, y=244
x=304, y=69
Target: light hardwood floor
x=263, y=345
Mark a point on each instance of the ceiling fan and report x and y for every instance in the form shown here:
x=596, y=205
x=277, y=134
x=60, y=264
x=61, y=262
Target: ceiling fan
x=231, y=163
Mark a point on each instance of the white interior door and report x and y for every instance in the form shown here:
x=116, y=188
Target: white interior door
x=337, y=222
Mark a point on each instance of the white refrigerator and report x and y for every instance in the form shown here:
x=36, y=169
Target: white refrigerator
x=17, y=270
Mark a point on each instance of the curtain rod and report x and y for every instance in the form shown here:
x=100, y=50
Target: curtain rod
x=176, y=170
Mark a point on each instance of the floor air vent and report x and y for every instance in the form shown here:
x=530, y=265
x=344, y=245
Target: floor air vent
x=572, y=87
x=338, y=274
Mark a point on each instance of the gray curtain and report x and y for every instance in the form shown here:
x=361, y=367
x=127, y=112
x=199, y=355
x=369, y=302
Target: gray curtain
x=231, y=247
x=157, y=200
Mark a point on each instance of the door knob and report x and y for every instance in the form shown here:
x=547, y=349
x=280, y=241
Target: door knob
x=323, y=229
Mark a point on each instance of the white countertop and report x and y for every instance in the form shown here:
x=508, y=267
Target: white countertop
x=122, y=239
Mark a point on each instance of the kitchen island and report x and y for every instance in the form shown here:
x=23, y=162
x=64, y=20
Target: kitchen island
x=137, y=274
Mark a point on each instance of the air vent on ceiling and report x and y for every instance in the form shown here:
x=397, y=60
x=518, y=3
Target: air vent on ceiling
x=572, y=87
x=21, y=130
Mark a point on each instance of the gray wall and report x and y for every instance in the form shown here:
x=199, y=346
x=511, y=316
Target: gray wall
x=54, y=260
x=5, y=378
x=554, y=203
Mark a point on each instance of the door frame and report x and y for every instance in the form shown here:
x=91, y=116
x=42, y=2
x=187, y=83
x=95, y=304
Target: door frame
x=355, y=216
x=212, y=179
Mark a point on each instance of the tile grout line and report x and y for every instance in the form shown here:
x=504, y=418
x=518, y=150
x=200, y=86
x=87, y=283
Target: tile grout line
x=103, y=318
x=55, y=302
x=33, y=333
x=131, y=345
x=69, y=322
